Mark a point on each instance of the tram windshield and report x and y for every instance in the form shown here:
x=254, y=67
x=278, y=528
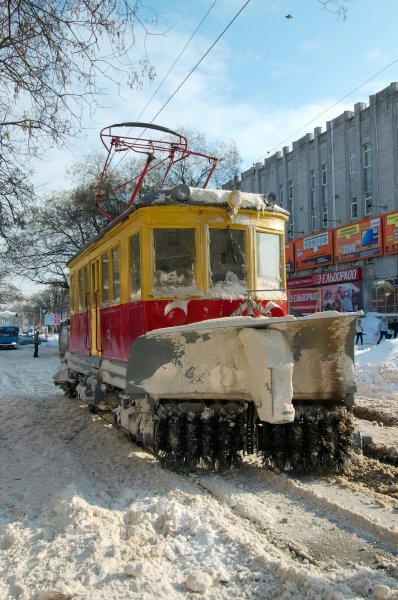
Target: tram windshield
x=175, y=260
x=269, y=264
x=227, y=262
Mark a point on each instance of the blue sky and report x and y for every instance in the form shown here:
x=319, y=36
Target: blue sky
x=266, y=78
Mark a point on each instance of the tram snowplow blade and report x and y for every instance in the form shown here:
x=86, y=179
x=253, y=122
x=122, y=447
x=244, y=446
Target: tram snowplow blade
x=273, y=362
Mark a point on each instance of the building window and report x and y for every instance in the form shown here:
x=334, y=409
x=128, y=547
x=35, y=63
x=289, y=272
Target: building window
x=324, y=192
x=324, y=175
x=291, y=196
x=313, y=200
x=367, y=168
x=135, y=267
x=291, y=189
x=352, y=163
x=290, y=229
x=281, y=195
x=354, y=208
x=324, y=196
x=325, y=217
x=313, y=221
x=115, y=274
x=368, y=203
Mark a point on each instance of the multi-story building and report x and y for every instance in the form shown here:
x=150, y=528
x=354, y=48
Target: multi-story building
x=342, y=182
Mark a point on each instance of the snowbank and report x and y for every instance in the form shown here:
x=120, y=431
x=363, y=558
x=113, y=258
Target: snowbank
x=86, y=514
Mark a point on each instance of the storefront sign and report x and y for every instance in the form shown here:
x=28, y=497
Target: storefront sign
x=390, y=228
x=289, y=256
x=342, y=276
x=358, y=241
x=305, y=301
x=296, y=282
x=314, y=250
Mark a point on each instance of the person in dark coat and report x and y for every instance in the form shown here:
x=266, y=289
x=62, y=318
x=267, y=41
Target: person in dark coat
x=394, y=327
x=36, y=343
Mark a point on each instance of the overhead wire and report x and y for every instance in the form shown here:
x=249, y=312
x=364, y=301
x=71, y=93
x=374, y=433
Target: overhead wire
x=196, y=65
x=199, y=61
x=168, y=73
x=289, y=137
x=176, y=60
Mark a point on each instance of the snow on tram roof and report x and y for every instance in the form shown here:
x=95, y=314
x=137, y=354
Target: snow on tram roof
x=182, y=194
x=214, y=197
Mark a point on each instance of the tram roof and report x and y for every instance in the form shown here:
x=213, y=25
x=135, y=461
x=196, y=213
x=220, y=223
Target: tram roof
x=183, y=195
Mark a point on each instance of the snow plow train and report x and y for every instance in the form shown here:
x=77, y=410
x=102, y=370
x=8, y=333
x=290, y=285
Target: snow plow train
x=179, y=328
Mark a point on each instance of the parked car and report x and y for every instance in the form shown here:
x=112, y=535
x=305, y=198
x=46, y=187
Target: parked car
x=25, y=338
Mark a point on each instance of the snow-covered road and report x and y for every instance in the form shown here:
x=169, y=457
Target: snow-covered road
x=86, y=514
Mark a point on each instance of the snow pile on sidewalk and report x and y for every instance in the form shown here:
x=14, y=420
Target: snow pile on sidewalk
x=377, y=368
x=86, y=514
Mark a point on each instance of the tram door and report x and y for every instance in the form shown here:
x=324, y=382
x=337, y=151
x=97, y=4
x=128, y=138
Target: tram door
x=95, y=304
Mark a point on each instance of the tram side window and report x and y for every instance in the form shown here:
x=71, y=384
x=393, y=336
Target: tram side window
x=269, y=263
x=135, y=267
x=105, y=278
x=115, y=274
x=86, y=286
x=175, y=259
x=80, y=289
x=227, y=260
x=72, y=293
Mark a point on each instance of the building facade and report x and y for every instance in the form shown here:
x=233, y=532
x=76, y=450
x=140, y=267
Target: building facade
x=341, y=189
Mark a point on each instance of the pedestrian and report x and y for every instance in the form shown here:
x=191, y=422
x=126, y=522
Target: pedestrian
x=383, y=329
x=359, y=331
x=36, y=343
x=394, y=327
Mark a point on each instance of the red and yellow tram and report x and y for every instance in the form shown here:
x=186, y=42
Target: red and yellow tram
x=163, y=330
x=165, y=263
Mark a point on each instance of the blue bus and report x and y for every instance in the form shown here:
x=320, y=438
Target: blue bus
x=9, y=336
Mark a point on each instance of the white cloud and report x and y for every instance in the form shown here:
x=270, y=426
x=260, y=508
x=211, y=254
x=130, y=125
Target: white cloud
x=376, y=54
x=221, y=99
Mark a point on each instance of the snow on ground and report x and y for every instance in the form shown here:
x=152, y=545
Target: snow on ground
x=86, y=514
x=377, y=382
x=377, y=397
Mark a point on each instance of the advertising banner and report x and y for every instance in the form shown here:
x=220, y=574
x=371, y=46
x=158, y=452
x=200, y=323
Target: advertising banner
x=390, y=227
x=359, y=240
x=314, y=250
x=344, y=297
x=49, y=319
x=305, y=301
x=289, y=256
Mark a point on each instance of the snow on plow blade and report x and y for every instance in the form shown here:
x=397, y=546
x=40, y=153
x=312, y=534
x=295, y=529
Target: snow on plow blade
x=270, y=361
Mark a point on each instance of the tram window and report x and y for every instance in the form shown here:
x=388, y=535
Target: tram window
x=105, y=278
x=72, y=293
x=227, y=260
x=115, y=274
x=269, y=264
x=86, y=286
x=175, y=258
x=135, y=266
x=80, y=289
